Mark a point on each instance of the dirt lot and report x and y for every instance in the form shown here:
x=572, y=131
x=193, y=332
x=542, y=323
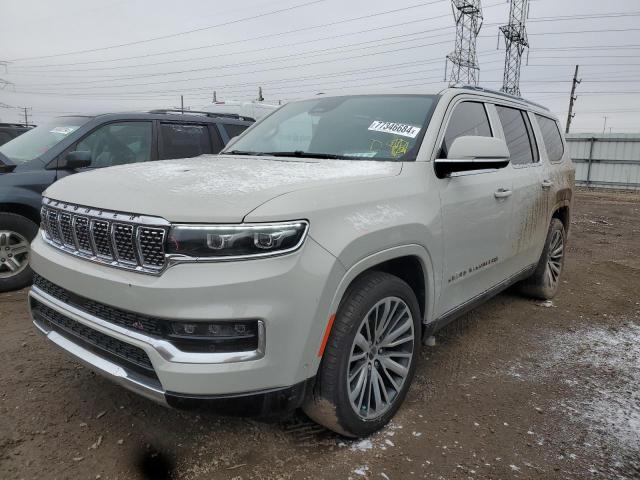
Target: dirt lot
x=515, y=389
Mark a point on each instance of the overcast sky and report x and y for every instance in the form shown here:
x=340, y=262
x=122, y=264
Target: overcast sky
x=71, y=56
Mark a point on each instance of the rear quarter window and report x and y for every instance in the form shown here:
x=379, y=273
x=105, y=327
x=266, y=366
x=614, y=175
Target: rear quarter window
x=551, y=137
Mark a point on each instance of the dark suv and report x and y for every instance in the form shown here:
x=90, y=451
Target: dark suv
x=9, y=131
x=71, y=144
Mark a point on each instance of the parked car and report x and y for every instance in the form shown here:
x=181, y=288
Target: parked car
x=9, y=131
x=304, y=264
x=66, y=145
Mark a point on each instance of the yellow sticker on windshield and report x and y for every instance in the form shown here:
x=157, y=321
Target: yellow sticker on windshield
x=398, y=147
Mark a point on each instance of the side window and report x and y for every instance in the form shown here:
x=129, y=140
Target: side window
x=518, y=134
x=234, y=130
x=552, y=139
x=183, y=140
x=118, y=143
x=469, y=118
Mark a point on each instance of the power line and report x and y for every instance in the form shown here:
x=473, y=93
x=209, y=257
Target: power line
x=174, y=35
x=324, y=25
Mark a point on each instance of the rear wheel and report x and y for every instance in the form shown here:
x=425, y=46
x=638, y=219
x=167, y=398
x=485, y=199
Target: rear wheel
x=369, y=360
x=16, y=233
x=544, y=282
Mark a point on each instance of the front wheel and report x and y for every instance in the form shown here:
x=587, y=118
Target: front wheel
x=369, y=359
x=545, y=280
x=16, y=233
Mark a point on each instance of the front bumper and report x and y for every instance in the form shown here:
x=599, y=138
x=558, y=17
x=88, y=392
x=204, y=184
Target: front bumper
x=290, y=295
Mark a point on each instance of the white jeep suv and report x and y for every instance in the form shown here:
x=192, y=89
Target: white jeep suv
x=304, y=264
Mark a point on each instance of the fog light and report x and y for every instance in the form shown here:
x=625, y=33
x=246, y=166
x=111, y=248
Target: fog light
x=215, y=330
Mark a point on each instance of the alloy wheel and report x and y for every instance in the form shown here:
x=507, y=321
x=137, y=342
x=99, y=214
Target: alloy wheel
x=14, y=253
x=554, y=261
x=380, y=357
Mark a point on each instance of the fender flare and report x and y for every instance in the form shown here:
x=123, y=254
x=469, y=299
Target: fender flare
x=377, y=258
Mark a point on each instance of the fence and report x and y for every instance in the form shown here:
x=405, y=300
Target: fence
x=609, y=160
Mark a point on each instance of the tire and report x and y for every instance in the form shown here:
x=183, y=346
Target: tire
x=544, y=282
x=16, y=234
x=367, y=301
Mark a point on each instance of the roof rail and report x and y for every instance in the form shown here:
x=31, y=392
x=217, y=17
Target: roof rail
x=498, y=92
x=235, y=116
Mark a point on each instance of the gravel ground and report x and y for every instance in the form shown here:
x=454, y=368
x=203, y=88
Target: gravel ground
x=515, y=389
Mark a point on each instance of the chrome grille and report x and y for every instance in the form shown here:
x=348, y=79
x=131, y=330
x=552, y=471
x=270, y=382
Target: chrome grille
x=133, y=242
x=101, y=240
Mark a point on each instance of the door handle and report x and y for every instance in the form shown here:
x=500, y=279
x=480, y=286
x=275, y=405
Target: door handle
x=546, y=184
x=502, y=193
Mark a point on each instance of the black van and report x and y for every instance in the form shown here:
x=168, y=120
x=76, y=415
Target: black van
x=70, y=144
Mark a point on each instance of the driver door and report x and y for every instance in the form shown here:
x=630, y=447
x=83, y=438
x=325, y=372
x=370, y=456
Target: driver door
x=476, y=214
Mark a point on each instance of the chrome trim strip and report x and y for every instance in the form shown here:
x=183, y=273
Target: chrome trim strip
x=164, y=348
x=109, y=215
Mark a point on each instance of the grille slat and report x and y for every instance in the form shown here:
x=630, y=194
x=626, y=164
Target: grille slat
x=111, y=238
x=81, y=230
x=65, y=229
x=124, y=242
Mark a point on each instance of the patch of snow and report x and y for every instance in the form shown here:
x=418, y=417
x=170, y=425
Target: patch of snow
x=514, y=468
x=362, y=471
x=362, y=445
x=375, y=216
x=546, y=303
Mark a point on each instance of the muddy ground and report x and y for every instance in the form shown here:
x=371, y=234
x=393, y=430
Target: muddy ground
x=515, y=389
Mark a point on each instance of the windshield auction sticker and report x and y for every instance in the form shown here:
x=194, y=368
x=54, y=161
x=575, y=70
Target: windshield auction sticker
x=395, y=128
x=63, y=130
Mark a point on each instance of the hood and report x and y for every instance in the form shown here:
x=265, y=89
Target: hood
x=209, y=188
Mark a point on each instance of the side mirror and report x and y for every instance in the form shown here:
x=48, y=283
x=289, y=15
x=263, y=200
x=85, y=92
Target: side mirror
x=473, y=153
x=74, y=160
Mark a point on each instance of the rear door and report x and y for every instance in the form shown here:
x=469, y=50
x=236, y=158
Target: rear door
x=529, y=223
x=476, y=215
x=185, y=140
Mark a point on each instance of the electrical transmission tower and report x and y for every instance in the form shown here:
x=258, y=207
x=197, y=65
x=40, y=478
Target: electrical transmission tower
x=464, y=61
x=515, y=36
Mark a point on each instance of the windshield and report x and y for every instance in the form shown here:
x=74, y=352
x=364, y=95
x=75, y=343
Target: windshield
x=39, y=140
x=376, y=127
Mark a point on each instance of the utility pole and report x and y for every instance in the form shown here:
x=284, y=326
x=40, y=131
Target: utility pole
x=215, y=97
x=515, y=36
x=182, y=103
x=260, y=97
x=25, y=111
x=604, y=127
x=464, y=61
x=572, y=98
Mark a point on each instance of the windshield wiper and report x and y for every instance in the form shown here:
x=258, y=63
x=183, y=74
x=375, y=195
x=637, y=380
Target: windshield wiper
x=302, y=154
x=243, y=152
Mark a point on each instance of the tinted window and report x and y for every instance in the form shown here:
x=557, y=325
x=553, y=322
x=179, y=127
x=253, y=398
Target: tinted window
x=469, y=118
x=184, y=141
x=552, y=139
x=518, y=134
x=118, y=143
x=234, y=130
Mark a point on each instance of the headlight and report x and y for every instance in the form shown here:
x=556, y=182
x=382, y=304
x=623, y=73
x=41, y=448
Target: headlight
x=232, y=241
